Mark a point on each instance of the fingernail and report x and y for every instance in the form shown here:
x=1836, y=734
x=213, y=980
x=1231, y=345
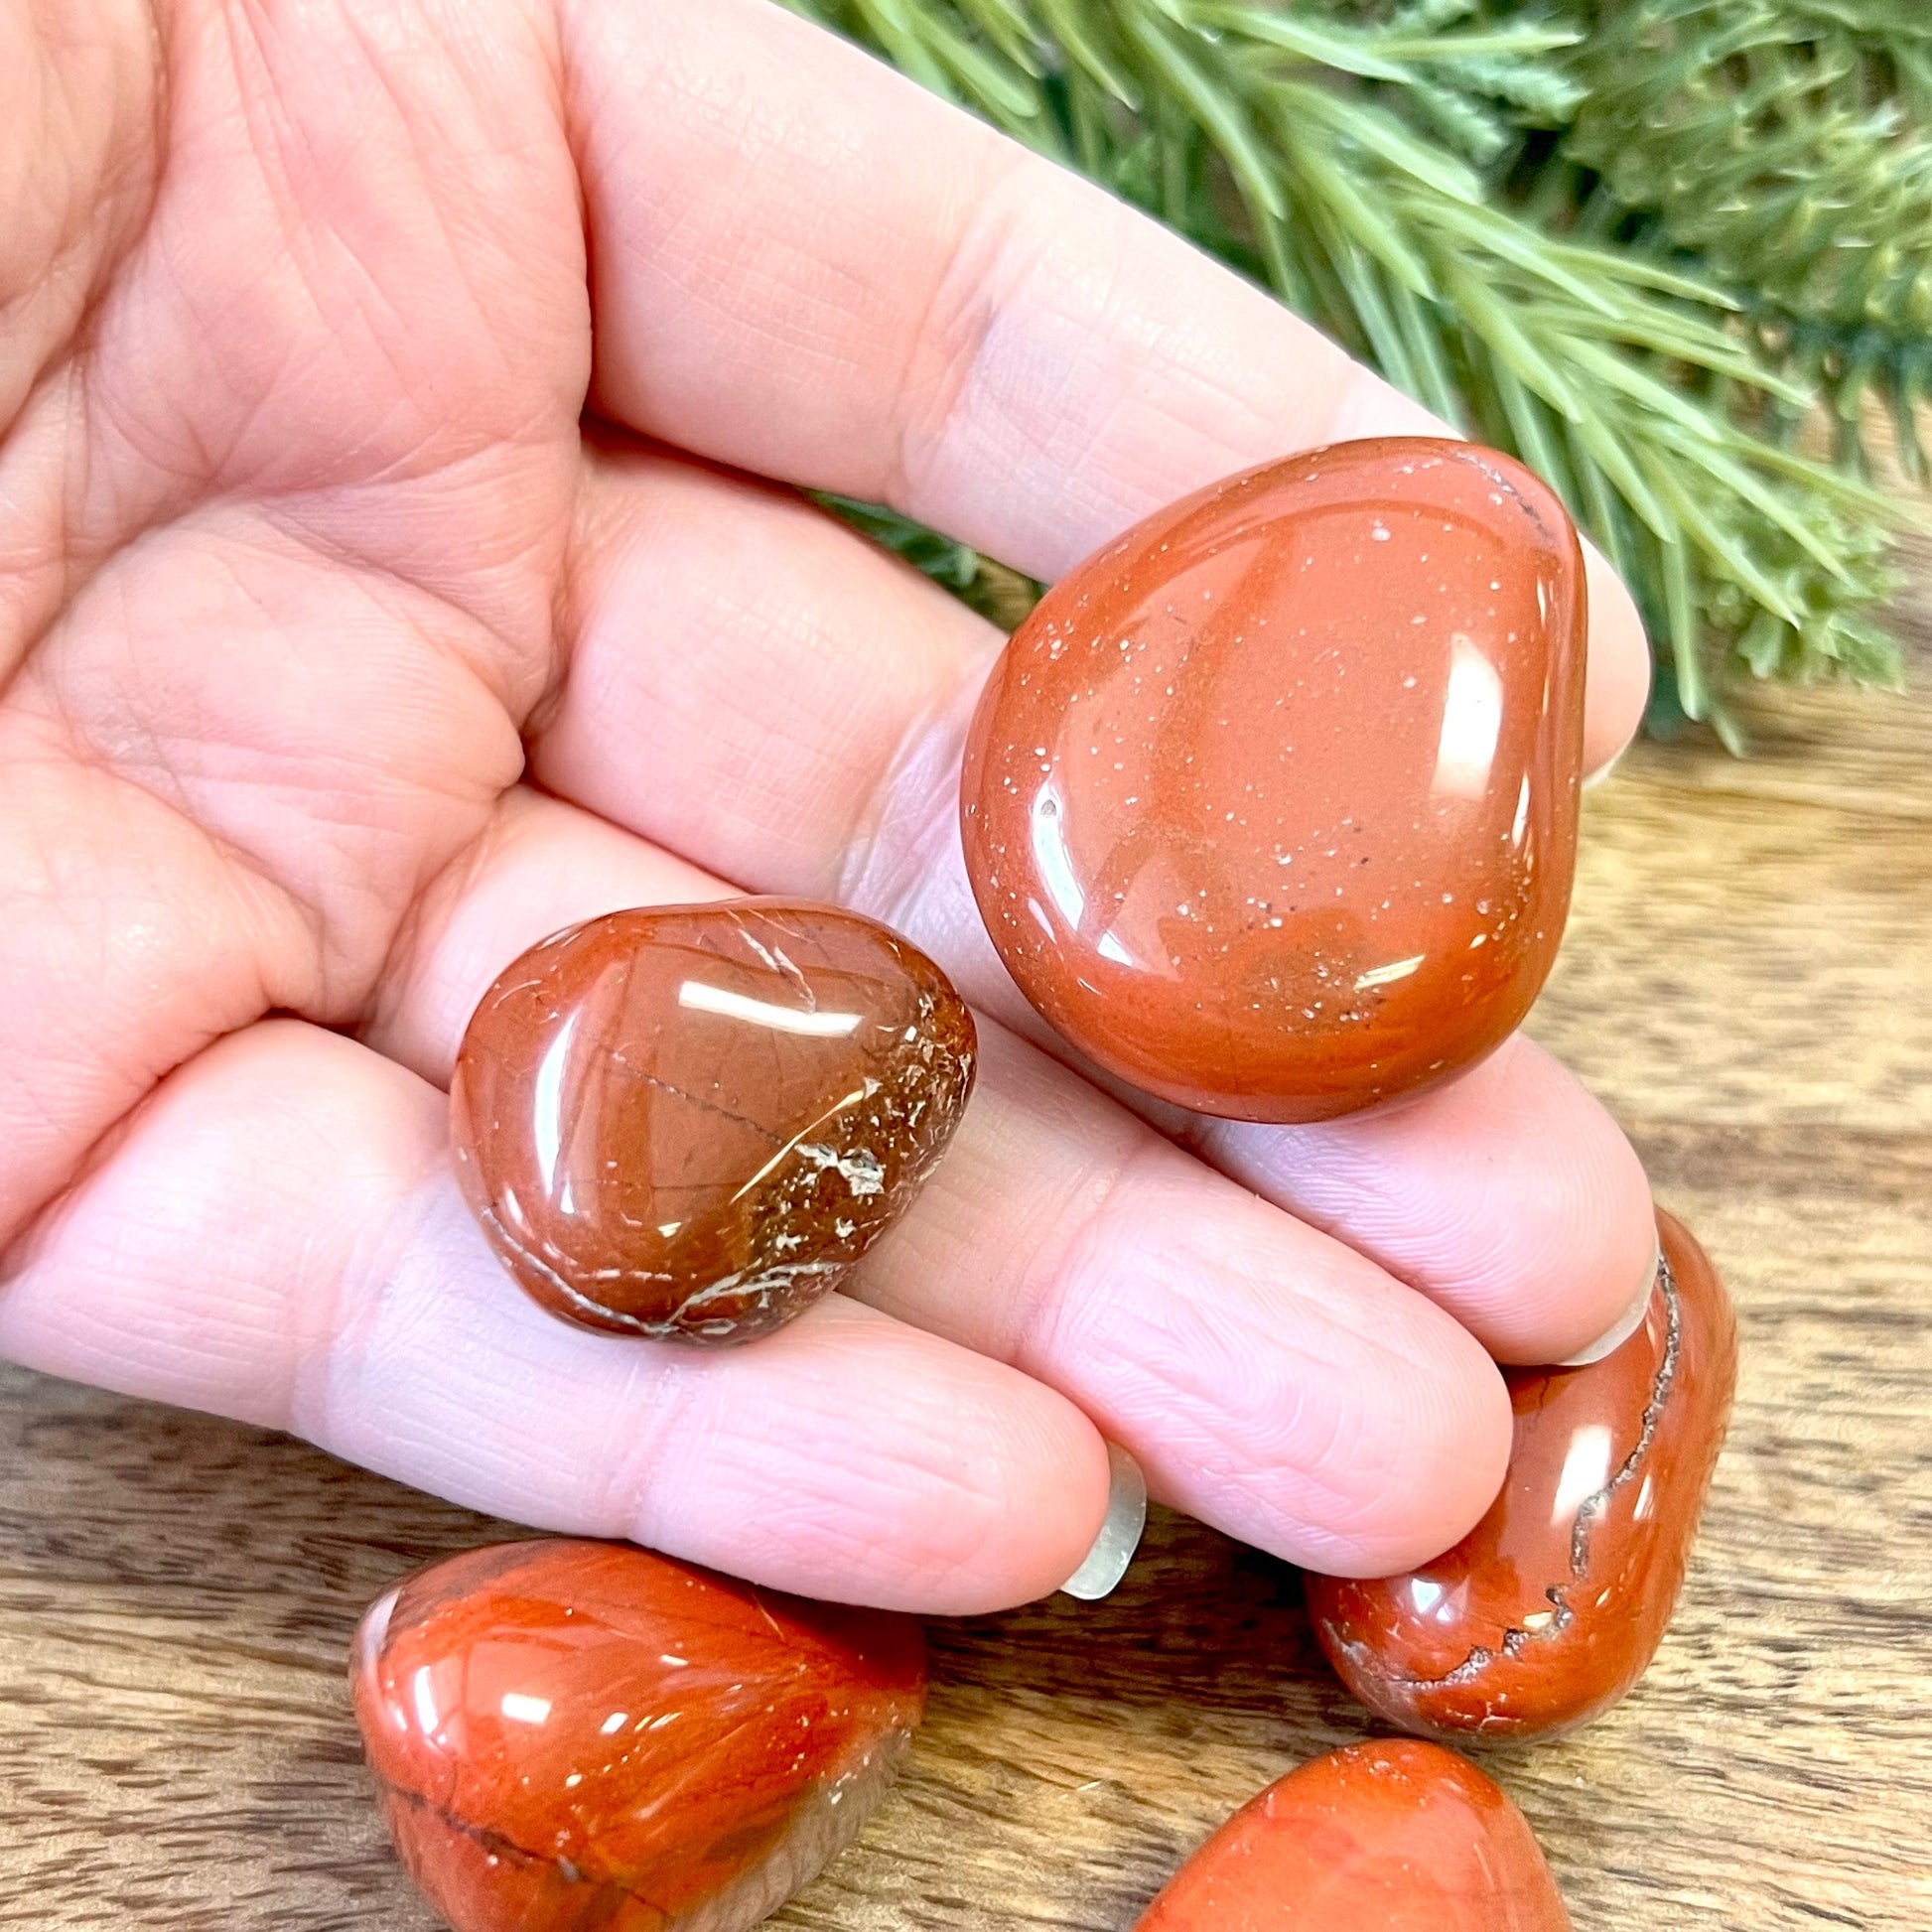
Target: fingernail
x=1119, y=1533
x=1603, y=772
x=1627, y=1324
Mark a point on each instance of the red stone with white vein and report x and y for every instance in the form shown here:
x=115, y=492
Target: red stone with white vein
x=1550, y=1610
x=687, y=1122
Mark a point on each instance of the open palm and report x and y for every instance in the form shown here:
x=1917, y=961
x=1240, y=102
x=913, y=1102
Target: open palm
x=342, y=654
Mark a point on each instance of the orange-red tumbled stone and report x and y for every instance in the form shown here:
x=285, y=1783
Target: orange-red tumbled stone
x=1552, y=1607
x=1392, y=1836
x=584, y=1738
x=1270, y=806
x=688, y=1122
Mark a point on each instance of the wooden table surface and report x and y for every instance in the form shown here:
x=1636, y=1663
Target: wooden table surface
x=1748, y=983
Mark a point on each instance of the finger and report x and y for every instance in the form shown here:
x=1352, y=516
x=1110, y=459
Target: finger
x=1530, y=1187
x=753, y=686
x=1267, y=1377
x=278, y=1238
x=809, y=268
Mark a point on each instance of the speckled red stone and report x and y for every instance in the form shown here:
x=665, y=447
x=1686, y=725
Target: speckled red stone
x=1551, y=1608
x=1270, y=805
x=1393, y=1836
x=584, y=1738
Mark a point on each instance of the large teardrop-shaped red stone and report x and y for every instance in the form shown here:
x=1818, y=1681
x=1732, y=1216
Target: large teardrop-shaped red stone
x=1270, y=806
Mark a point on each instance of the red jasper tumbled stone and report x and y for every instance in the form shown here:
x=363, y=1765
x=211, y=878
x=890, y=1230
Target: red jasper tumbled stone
x=1393, y=1836
x=1270, y=806
x=687, y=1122
x=1551, y=1608
x=578, y=1736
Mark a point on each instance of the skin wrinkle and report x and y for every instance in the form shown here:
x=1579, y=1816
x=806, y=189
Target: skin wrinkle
x=426, y=929
x=946, y=347
x=653, y=1390
x=687, y=1448
x=1193, y=1391
x=321, y=339
x=36, y=569
x=386, y=321
x=974, y=1512
x=117, y=763
x=399, y=1313
x=1522, y=1192
x=908, y=830
x=1326, y=1465
x=651, y=1395
x=1080, y=1222
x=261, y=864
x=743, y=613
x=495, y=670
x=100, y=408
x=104, y=203
x=258, y=101
x=1047, y=305
x=718, y=264
x=1021, y=336
x=595, y=533
x=63, y=891
x=342, y=1319
x=778, y=590
x=1056, y=1311
x=130, y=186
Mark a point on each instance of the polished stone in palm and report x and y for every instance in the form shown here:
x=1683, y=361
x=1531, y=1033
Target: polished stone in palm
x=688, y=1122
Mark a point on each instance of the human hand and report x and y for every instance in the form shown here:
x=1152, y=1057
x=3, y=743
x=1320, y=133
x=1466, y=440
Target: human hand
x=302, y=553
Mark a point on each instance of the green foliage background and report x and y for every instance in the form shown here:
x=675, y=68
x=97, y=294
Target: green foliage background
x=1631, y=240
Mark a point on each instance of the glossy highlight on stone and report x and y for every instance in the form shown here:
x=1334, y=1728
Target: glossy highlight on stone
x=687, y=1122
x=575, y=1736
x=1392, y=1836
x=1270, y=806
x=1552, y=1607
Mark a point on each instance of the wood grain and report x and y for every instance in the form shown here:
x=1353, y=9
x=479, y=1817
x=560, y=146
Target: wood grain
x=1747, y=982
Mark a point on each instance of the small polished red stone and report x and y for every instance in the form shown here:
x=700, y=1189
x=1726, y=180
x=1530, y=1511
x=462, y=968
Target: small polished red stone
x=1270, y=806
x=1393, y=1836
x=688, y=1122
x=575, y=1736
x=1552, y=1607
